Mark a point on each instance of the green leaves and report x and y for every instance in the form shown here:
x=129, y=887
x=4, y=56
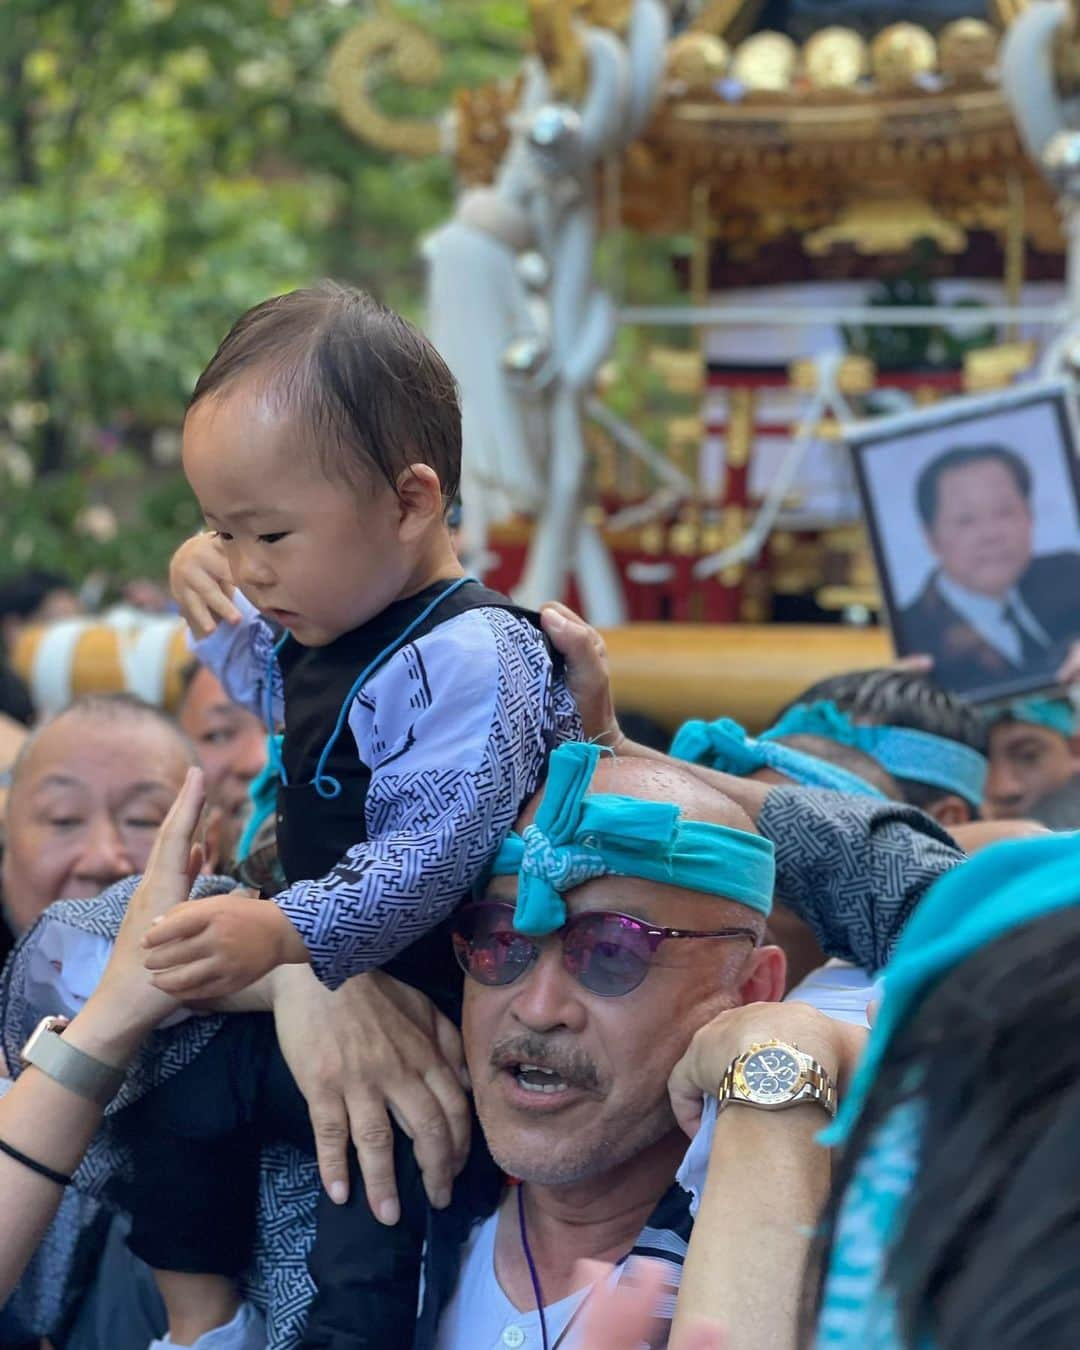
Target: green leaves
x=164, y=164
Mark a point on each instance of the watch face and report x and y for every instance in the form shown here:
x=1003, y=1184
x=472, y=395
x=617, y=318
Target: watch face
x=771, y=1074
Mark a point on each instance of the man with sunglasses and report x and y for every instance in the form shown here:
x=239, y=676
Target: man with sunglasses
x=627, y=914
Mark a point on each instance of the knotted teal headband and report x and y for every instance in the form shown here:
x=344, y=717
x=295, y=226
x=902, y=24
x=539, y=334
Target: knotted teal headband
x=1056, y=714
x=999, y=889
x=724, y=745
x=918, y=755
x=575, y=837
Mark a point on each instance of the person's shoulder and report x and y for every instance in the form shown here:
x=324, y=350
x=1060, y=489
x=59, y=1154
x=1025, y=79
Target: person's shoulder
x=490, y=628
x=925, y=608
x=1052, y=567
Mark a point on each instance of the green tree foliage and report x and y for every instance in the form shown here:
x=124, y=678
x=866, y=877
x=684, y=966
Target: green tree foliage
x=163, y=165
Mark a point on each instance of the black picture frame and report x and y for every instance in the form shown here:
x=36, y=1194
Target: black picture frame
x=972, y=418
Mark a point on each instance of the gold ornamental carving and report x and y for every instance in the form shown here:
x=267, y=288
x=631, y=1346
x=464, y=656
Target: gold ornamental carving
x=380, y=43
x=613, y=14
x=988, y=368
x=887, y=225
x=855, y=375
x=695, y=61
x=835, y=58
x=766, y=62
x=742, y=411
x=560, y=48
x=967, y=50
x=901, y=53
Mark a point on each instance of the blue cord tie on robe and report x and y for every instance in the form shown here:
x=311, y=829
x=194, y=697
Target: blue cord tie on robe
x=726, y=746
x=903, y=751
x=577, y=836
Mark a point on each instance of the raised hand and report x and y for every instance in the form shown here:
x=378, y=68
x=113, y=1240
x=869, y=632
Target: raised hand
x=202, y=584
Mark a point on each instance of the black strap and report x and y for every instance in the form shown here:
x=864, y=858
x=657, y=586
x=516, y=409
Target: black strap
x=34, y=1166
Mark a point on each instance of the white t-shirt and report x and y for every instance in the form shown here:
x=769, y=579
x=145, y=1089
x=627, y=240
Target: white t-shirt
x=481, y=1317
x=838, y=989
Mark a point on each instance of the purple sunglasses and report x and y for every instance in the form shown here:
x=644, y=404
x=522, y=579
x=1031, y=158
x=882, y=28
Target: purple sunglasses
x=607, y=953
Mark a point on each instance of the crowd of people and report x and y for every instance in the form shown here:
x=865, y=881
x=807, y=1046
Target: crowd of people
x=388, y=994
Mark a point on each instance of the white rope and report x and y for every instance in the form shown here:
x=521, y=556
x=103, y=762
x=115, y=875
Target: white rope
x=827, y=398
x=633, y=441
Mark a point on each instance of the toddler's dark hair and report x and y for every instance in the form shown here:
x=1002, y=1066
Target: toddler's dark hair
x=376, y=393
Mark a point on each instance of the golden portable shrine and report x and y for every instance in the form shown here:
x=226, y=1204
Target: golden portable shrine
x=869, y=216
x=812, y=175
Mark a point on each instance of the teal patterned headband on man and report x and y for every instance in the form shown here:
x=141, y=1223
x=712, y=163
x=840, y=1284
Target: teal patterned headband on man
x=724, y=745
x=903, y=751
x=576, y=836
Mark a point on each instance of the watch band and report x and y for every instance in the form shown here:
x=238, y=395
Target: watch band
x=71, y=1067
x=817, y=1085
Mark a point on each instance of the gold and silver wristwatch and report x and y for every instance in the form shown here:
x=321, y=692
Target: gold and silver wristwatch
x=69, y=1066
x=774, y=1075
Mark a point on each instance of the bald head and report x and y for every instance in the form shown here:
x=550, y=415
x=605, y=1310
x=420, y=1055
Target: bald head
x=674, y=905
x=112, y=713
x=89, y=791
x=655, y=780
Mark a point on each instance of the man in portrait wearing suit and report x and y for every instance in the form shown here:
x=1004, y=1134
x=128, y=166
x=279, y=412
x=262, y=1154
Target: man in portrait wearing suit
x=989, y=611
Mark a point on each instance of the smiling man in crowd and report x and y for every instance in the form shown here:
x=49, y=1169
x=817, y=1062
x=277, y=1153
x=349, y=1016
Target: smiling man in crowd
x=80, y=815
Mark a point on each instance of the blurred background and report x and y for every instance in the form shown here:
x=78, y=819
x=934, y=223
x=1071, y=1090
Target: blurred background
x=163, y=166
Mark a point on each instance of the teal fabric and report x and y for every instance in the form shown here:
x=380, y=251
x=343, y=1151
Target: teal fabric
x=858, y=1310
x=1000, y=888
x=918, y=755
x=262, y=793
x=726, y=746
x=575, y=837
x=996, y=891
x=1056, y=714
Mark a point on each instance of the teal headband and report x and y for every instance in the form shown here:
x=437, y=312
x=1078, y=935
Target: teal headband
x=575, y=837
x=262, y=796
x=724, y=745
x=917, y=755
x=1056, y=714
x=1000, y=888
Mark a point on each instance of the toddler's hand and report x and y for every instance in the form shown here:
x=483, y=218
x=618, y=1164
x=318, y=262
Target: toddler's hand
x=202, y=584
x=208, y=949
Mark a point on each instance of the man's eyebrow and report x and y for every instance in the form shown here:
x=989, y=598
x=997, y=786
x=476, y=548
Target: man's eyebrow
x=67, y=780
x=148, y=785
x=245, y=513
x=59, y=780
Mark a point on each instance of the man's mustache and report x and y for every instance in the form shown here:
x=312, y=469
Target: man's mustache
x=572, y=1066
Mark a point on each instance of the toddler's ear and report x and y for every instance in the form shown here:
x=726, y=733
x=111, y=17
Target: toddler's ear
x=420, y=498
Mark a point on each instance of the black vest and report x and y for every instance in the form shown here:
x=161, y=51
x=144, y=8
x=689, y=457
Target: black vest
x=314, y=832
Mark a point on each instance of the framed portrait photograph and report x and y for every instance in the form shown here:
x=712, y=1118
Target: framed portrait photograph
x=973, y=508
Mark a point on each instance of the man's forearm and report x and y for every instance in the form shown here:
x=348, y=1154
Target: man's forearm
x=747, y=1256
x=853, y=868
x=53, y=1125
